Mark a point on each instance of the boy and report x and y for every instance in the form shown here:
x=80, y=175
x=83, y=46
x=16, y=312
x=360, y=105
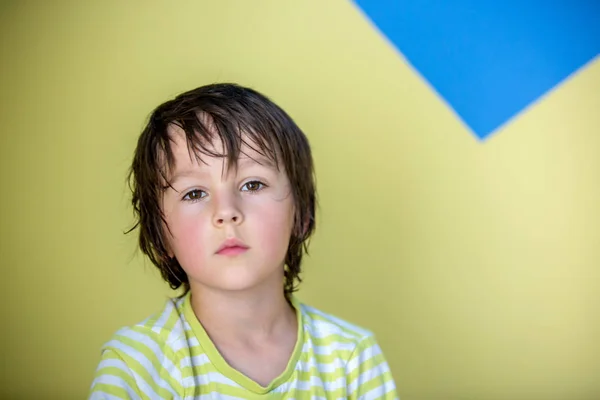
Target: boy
x=224, y=197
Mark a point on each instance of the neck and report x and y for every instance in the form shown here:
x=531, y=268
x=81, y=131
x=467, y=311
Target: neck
x=243, y=316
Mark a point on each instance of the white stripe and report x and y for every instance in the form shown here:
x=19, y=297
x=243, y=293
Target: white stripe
x=368, y=375
x=321, y=330
x=365, y=355
x=329, y=349
x=112, y=380
x=176, y=339
x=162, y=320
x=320, y=367
x=116, y=363
x=178, y=303
x=315, y=382
x=156, y=349
x=209, y=377
x=337, y=321
x=313, y=397
x=212, y=396
x=147, y=365
x=106, y=396
x=177, y=342
x=193, y=341
x=380, y=391
x=195, y=361
x=147, y=389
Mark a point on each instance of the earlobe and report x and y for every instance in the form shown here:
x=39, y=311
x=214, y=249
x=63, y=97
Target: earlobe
x=303, y=228
x=166, y=240
x=169, y=250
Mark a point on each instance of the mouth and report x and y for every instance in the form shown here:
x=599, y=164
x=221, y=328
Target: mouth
x=232, y=247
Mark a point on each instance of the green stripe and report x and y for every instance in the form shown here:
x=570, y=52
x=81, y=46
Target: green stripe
x=374, y=383
x=328, y=340
x=330, y=358
x=152, y=356
x=119, y=373
x=111, y=389
x=170, y=323
x=139, y=369
x=366, y=366
x=354, y=333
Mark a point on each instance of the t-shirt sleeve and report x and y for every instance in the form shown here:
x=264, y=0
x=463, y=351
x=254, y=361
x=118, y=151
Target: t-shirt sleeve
x=368, y=374
x=137, y=364
x=114, y=379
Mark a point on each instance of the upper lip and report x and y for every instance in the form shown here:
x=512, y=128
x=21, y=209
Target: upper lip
x=232, y=242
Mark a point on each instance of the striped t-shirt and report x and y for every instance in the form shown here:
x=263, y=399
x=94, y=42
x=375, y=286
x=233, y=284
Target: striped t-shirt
x=170, y=356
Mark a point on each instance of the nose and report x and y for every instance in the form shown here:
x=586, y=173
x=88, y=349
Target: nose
x=227, y=211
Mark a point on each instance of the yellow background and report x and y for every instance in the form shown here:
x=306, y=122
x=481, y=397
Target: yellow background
x=475, y=263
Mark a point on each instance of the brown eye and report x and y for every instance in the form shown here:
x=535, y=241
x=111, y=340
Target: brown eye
x=194, y=195
x=253, y=186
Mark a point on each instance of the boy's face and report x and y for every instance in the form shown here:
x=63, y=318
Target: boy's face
x=229, y=229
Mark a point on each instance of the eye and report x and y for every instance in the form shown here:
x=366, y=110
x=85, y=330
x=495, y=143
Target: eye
x=194, y=195
x=253, y=186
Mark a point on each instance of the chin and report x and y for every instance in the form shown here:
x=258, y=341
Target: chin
x=236, y=279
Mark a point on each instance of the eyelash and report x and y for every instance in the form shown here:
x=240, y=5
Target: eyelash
x=187, y=195
x=261, y=186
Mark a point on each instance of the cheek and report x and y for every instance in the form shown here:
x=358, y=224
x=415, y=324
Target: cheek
x=189, y=236
x=274, y=228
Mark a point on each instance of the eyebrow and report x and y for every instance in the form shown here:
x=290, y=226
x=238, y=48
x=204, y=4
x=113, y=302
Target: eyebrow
x=249, y=161
x=180, y=174
x=243, y=162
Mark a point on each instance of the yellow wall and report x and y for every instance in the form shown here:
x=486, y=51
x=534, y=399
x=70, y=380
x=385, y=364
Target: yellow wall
x=477, y=264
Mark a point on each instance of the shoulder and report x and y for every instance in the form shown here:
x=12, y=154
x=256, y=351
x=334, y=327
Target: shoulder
x=331, y=333
x=159, y=336
x=144, y=360
x=365, y=368
x=325, y=324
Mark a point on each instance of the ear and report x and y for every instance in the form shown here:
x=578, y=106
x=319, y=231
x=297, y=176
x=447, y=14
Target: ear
x=167, y=236
x=167, y=244
x=168, y=247
x=304, y=227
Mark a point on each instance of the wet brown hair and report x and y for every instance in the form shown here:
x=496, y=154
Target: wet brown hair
x=237, y=116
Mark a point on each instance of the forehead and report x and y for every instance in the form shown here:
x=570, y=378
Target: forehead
x=198, y=151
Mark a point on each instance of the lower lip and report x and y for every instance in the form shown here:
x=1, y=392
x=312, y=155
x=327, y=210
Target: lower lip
x=232, y=251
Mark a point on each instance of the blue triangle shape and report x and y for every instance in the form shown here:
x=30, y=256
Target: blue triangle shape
x=490, y=59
